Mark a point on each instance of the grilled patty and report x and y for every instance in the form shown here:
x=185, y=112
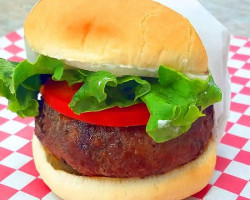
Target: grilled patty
x=95, y=150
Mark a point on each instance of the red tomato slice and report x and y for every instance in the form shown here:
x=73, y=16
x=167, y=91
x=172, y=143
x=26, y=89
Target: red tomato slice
x=57, y=94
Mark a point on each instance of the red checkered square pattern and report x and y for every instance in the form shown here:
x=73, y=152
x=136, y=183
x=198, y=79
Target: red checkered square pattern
x=231, y=180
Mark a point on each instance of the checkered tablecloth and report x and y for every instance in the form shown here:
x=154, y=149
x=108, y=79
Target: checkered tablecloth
x=231, y=179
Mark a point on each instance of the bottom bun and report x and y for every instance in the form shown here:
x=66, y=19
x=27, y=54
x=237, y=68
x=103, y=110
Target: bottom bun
x=176, y=184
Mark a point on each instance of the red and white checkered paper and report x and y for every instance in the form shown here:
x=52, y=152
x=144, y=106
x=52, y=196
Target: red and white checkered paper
x=231, y=179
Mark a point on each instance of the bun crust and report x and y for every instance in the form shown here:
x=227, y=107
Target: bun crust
x=128, y=34
x=177, y=184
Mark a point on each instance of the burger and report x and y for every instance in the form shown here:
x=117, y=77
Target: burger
x=122, y=98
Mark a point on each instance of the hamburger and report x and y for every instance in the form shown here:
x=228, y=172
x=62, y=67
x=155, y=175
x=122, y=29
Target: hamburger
x=122, y=98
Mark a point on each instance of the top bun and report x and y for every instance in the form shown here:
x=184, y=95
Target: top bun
x=125, y=37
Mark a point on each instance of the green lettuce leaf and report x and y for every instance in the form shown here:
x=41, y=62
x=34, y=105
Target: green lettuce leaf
x=102, y=90
x=173, y=100
x=20, y=82
x=176, y=102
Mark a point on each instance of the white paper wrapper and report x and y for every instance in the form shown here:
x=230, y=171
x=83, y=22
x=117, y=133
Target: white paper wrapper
x=215, y=38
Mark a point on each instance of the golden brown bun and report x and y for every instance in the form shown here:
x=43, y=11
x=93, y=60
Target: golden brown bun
x=176, y=184
x=139, y=35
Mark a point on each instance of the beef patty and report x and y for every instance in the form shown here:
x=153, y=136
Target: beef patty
x=95, y=150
